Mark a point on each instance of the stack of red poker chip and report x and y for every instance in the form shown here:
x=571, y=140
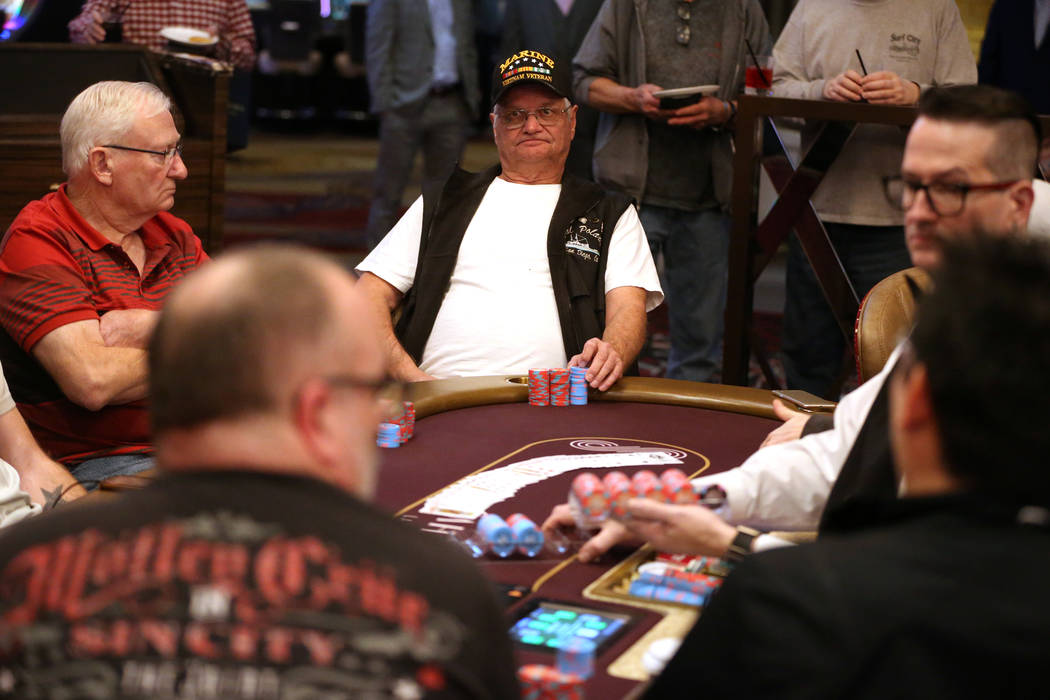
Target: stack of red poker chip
x=406, y=422
x=588, y=500
x=539, y=387
x=559, y=386
x=646, y=484
x=677, y=487
x=540, y=682
x=618, y=490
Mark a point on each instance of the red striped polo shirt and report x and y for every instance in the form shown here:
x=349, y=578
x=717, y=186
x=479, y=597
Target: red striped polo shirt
x=56, y=269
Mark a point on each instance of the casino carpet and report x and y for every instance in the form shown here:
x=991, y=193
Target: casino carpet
x=314, y=188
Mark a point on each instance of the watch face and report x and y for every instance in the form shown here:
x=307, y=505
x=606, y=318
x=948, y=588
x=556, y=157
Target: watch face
x=742, y=543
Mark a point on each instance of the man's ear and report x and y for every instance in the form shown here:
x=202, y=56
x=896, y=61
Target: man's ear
x=311, y=419
x=916, y=408
x=1022, y=197
x=101, y=165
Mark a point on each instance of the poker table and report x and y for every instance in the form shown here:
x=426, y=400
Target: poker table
x=469, y=426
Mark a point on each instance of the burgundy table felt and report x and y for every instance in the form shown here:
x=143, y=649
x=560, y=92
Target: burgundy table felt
x=448, y=446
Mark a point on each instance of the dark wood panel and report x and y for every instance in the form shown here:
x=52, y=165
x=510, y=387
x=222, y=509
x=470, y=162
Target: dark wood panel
x=30, y=151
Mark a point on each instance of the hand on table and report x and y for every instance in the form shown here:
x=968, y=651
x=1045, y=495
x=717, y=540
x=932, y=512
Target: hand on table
x=611, y=533
x=794, y=422
x=677, y=529
x=887, y=88
x=846, y=87
x=603, y=362
x=709, y=111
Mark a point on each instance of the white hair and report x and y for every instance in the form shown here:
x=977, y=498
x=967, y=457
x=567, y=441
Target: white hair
x=104, y=113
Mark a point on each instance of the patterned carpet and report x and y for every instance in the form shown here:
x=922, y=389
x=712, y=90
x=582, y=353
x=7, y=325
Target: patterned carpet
x=315, y=189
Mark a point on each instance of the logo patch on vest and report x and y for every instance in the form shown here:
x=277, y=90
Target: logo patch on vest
x=583, y=238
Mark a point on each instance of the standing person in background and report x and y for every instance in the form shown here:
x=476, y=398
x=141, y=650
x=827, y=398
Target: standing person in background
x=142, y=20
x=676, y=162
x=906, y=47
x=557, y=28
x=422, y=75
x=1015, y=53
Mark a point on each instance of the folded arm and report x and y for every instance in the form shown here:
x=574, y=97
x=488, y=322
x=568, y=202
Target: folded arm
x=91, y=373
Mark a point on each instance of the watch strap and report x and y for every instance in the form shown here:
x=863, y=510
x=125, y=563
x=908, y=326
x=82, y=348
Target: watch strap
x=741, y=545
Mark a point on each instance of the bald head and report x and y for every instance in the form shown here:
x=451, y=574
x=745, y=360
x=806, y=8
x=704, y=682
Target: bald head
x=240, y=335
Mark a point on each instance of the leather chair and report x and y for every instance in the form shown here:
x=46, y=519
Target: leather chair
x=885, y=316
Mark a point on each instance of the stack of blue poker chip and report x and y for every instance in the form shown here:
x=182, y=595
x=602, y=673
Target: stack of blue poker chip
x=494, y=531
x=389, y=435
x=577, y=386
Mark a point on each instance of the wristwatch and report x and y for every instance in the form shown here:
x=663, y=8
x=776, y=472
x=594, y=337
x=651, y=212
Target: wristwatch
x=741, y=544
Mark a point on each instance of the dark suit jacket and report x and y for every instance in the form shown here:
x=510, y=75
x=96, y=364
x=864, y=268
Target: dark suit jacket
x=399, y=52
x=1009, y=57
x=944, y=598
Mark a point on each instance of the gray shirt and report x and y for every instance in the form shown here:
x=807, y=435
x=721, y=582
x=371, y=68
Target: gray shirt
x=924, y=42
x=680, y=157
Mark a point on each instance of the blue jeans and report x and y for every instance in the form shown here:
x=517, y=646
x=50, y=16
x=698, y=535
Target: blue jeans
x=813, y=347
x=695, y=246
x=101, y=468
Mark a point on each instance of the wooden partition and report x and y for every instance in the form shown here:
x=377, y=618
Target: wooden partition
x=754, y=243
x=39, y=80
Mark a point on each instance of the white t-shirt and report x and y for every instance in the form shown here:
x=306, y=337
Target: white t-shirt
x=499, y=314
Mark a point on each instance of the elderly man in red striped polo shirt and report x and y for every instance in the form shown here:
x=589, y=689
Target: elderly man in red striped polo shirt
x=83, y=272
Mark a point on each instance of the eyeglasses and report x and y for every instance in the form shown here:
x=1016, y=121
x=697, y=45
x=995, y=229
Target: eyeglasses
x=387, y=393
x=682, y=33
x=546, y=116
x=166, y=154
x=945, y=199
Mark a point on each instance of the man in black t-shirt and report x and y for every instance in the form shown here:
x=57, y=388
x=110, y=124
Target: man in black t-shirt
x=254, y=568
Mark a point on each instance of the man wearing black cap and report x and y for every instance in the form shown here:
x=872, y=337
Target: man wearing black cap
x=521, y=265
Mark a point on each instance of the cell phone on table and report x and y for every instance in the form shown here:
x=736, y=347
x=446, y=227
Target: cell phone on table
x=804, y=400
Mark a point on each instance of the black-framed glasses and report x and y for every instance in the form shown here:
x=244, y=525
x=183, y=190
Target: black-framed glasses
x=167, y=154
x=682, y=33
x=946, y=199
x=546, y=116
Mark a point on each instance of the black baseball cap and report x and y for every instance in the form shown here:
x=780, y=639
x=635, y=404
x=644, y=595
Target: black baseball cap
x=531, y=68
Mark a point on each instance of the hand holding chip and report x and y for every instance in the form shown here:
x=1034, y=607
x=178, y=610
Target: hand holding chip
x=605, y=366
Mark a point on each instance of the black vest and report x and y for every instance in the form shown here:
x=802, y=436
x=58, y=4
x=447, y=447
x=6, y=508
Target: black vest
x=577, y=246
x=868, y=480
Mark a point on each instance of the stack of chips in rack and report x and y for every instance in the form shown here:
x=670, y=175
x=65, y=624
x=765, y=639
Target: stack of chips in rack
x=559, y=386
x=578, y=386
x=675, y=586
x=401, y=429
x=540, y=682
